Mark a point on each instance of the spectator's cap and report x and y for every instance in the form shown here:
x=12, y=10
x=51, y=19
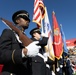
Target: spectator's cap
x=21, y=13
x=35, y=30
x=66, y=54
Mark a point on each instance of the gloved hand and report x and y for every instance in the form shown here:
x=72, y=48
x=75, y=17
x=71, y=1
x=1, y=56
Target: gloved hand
x=33, y=49
x=44, y=35
x=45, y=56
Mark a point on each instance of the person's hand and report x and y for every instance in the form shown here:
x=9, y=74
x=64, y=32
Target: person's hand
x=44, y=35
x=33, y=49
x=45, y=56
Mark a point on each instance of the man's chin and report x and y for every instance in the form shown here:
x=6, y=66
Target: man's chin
x=26, y=27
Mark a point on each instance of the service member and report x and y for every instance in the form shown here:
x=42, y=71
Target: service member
x=39, y=63
x=13, y=55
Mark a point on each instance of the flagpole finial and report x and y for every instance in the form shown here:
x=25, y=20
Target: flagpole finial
x=53, y=12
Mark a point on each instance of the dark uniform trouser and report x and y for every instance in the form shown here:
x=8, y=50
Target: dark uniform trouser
x=38, y=68
x=68, y=71
x=48, y=72
x=60, y=72
x=6, y=73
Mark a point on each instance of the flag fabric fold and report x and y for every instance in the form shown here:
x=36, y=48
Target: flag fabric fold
x=48, y=32
x=57, y=39
x=64, y=40
x=39, y=12
x=42, y=8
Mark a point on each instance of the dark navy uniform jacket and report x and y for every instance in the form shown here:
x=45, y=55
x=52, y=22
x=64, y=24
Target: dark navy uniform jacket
x=11, y=55
x=37, y=64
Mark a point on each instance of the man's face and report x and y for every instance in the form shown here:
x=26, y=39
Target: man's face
x=22, y=22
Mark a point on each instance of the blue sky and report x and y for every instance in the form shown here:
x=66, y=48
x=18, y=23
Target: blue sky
x=65, y=11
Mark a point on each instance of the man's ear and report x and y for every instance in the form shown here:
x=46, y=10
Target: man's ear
x=34, y=34
x=17, y=21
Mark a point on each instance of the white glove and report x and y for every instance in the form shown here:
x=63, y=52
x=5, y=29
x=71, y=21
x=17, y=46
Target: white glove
x=53, y=73
x=44, y=35
x=45, y=56
x=33, y=49
x=57, y=69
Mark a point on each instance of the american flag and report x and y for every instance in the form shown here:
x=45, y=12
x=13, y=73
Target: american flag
x=39, y=12
x=42, y=8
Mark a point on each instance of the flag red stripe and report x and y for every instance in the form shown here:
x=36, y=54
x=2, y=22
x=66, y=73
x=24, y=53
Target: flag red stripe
x=38, y=11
